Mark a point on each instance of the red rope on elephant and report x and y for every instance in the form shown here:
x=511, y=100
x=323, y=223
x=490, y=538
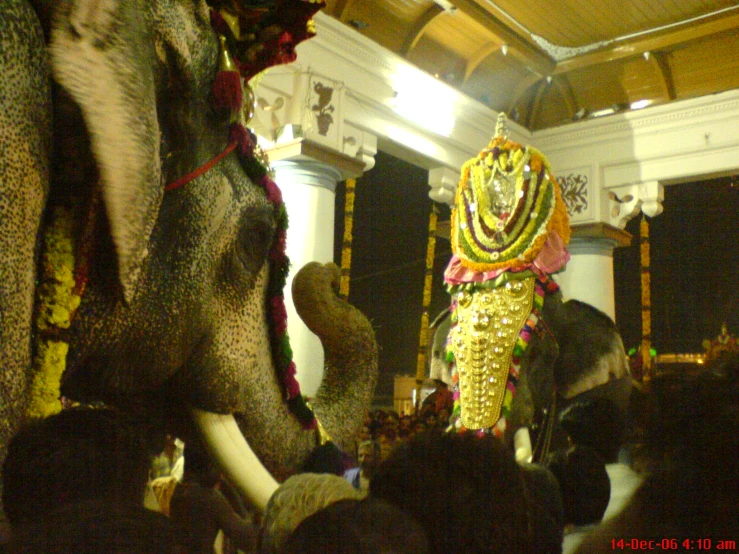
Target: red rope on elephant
x=203, y=168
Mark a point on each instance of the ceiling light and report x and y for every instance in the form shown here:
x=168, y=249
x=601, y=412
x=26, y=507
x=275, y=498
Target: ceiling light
x=504, y=49
x=639, y=104
x=646, y=55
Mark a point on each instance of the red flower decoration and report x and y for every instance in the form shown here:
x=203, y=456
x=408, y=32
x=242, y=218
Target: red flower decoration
x=274, y=194
x=292, y=388
x=279, y=315
x=243, y=137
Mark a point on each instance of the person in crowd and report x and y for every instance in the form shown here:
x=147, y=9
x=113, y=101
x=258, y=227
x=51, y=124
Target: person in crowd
x=690, y=492
x=466, y=491
x=440, y=398
x=600, y=424
x=369, y=459
x=358, y=526
x=585, y=489
x=198, y=510
x=387, y=439
x=297, y=498
x=545, y=508
x=164, y=462
x=75, y=482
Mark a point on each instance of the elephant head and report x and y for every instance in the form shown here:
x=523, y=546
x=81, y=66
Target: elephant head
x=175, y=318
x=576, y=351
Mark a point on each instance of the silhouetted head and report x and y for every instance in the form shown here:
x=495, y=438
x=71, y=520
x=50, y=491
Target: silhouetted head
x=597, y=423
x=466, y=492
x=74, y=456
x=583, y=484
x=358, y=527
x=297, y=498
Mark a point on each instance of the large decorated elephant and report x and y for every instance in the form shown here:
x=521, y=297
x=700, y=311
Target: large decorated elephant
x=515, y=346
x=142, y=238
x=576, y=353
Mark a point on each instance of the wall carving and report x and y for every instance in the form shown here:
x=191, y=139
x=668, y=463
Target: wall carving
x=575, y=193
x=323, y=107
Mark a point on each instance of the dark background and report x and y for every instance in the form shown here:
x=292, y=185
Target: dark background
x=694, y=265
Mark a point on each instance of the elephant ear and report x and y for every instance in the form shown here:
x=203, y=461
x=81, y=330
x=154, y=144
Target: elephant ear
x=103, y=55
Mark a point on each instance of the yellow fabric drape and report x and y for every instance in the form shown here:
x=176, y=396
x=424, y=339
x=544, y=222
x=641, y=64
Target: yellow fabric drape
x=346, y=249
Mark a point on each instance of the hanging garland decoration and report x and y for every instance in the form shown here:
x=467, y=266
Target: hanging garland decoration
x=426, y=302
x=346, y=246
x=62, y=279
x=646, y=302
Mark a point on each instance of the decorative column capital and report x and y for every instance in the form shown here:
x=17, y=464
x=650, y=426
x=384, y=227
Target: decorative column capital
x=307, y=172
x=626, y=201
x=308, y=153
x=443, y=182
x=597, y=238
x=302, y=114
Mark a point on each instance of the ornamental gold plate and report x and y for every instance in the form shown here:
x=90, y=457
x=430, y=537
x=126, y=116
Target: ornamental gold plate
x=488, y=325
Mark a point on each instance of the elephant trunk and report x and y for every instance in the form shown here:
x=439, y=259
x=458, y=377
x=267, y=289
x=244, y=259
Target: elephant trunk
x=349, y=347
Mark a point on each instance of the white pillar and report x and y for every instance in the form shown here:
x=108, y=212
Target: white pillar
x=309, y=192
x=589, y=273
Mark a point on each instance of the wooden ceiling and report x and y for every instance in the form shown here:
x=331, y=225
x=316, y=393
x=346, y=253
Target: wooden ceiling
x=550, y=62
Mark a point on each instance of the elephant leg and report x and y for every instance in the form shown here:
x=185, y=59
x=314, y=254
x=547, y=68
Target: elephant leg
x=25, y=139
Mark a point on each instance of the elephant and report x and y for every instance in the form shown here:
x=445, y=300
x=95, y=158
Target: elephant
x=575, y=353
x=103, y=103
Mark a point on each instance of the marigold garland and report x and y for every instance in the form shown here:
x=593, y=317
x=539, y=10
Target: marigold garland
x=646, y=310
x=56, y=303
x=484, y=242
x=426, y=302
x=346, y=248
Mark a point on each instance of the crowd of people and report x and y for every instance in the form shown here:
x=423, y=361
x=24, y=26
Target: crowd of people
x=77, y=482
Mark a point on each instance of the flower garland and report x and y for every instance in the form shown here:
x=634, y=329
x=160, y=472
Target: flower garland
x=227, y=91
x=428, y=281
x=61, y=283
x=646, y=314
x=346, y=248
x=55, y=309
x=486, y=238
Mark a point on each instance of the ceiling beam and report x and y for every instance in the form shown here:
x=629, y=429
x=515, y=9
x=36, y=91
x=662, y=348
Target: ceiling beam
x=650, y=43
x=536, y=104
x=533, y=57
x=341, y=9
x=521, y=88
x=659, y=62
x=562, y=84
x=481, y=55
x=418, y=28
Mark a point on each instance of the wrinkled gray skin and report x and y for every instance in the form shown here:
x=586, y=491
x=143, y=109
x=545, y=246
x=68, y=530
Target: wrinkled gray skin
x=577, y=351
x=174, y=311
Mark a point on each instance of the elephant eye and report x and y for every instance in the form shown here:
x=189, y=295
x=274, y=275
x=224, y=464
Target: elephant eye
x=250, y=249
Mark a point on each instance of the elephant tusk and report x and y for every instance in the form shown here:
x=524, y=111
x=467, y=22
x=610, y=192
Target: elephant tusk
x=233, y=454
